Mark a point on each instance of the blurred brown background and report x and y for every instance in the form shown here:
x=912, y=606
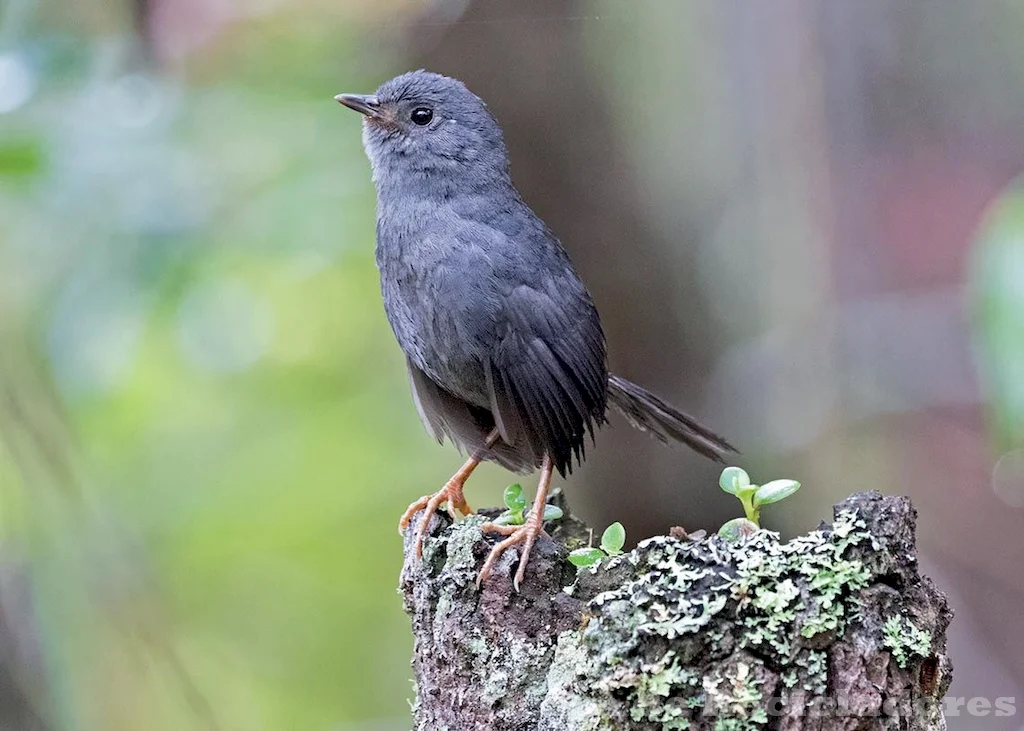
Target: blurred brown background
x=798, y=218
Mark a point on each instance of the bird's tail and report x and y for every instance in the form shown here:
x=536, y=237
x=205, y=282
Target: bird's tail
x=648, y=413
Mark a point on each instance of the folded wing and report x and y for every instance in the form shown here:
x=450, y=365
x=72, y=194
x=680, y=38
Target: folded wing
x=547, y=376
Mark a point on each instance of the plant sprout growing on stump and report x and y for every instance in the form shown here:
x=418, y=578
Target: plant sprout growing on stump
x=515, y=504
x=612, y=541
x=736, y=481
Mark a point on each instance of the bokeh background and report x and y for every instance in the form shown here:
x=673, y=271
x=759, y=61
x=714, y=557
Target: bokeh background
x=799, y=219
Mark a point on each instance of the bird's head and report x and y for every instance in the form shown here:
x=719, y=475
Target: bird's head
x=421, y=124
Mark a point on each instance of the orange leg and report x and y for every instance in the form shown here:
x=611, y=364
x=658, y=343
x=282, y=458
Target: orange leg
x=451, y=493
x=525, y=534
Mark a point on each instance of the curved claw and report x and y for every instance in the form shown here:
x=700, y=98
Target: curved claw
x=526, y=534
x=429, y=504
x=451, y=493
x=403, y=522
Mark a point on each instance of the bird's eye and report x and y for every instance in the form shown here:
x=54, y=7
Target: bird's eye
x=422, y=116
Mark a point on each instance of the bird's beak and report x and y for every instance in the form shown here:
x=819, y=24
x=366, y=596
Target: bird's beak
x=362, y=103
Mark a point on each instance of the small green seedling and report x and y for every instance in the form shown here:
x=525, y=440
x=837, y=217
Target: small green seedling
x=612, y=541
x=738, y=528
x=516, y=513
x=736, y=481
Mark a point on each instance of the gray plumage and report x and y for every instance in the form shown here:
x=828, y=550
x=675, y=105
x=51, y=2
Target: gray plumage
x=497, y=328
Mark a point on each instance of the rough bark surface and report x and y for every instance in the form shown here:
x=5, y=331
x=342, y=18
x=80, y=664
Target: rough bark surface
x=833, y=631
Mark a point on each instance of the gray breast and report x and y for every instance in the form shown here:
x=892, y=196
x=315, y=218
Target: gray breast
x=438, y=316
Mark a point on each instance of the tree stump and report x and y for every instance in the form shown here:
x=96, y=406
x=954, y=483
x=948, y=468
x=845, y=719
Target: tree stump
x=832, y=631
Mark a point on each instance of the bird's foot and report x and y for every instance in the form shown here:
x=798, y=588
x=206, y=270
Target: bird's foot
x=525, y=534
x=451, y=494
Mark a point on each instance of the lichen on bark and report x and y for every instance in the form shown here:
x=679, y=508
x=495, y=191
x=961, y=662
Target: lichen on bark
x=831, y=630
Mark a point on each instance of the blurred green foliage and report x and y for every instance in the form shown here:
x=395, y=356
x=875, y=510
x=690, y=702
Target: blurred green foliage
x=998, y=306
x=191, y=326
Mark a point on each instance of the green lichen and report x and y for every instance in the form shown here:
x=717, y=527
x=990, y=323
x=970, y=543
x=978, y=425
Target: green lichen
x=735, y=696
x=815, y=668
x=905, y=640
x=807, y=585
x=478, y=646
x=457, y=547
x=513, y=668
x=564, y=704
x=758, y=607
x=654, y=690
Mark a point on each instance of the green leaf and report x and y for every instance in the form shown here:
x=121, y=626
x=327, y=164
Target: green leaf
x=514, y=498
x=585, y=556
x=738, y=528
x=614, y=539
x=774, y=491
x=552, y=512
x=734, y=479
x=510, y=517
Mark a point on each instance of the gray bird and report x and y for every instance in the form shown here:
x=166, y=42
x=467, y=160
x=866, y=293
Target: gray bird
x=504, y=346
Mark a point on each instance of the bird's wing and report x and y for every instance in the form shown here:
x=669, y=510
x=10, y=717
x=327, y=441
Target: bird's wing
x=466, y=425
x=546, y=375
x=433, y=403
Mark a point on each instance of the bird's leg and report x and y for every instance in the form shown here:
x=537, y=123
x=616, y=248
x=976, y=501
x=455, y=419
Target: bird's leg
x=525, y=534
x=451, y=493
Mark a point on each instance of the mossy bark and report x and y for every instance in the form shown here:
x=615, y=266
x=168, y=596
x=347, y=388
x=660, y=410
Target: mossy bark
x=833, y=631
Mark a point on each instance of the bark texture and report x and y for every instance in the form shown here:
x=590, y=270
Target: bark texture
x=833, y=631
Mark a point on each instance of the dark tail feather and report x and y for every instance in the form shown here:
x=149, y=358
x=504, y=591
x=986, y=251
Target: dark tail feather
x=648, y=413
